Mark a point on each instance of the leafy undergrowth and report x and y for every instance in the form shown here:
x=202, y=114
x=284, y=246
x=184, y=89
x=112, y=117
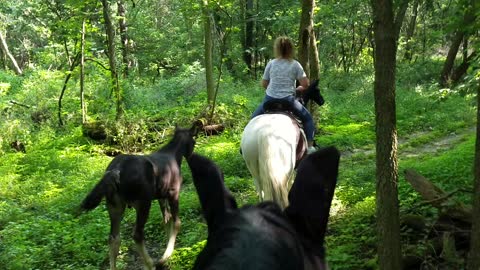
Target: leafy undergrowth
x=41, y=189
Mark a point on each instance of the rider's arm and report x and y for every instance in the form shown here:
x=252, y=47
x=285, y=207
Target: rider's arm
x=304, y=82
x=265, y=83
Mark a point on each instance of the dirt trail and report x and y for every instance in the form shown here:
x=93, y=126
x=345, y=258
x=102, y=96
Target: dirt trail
x=435, y=146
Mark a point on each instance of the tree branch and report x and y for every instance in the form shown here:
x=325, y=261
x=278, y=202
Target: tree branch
x=98, y=63
x=402, y=10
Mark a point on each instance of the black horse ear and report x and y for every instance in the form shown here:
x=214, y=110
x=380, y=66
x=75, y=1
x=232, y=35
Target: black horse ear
x=214, y=196
x=194, y=130
x=311, y=195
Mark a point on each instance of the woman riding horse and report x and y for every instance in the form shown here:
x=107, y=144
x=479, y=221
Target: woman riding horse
x=279, y=80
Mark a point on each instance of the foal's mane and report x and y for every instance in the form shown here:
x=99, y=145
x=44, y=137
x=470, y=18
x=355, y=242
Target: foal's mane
x=180, y=136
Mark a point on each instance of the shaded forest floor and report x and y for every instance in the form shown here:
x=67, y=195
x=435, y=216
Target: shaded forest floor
x=42, y=188
x=409, y=148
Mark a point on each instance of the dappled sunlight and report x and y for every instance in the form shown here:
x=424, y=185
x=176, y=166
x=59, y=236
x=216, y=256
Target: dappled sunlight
x=220, y=148
x=348, y=128
x=337, y=206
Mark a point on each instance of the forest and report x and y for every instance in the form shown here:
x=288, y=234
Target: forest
x=84, y=81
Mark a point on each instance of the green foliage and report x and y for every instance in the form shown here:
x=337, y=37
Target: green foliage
x=42, y=188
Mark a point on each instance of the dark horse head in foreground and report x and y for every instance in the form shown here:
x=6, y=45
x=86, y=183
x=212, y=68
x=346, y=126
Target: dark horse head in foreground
x=136, y=180
x=262, y=236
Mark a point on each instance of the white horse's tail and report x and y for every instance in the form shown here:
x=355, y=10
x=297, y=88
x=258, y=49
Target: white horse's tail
x=274, y=174
x=268, y=146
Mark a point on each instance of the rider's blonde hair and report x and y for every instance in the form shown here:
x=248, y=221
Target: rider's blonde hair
x=283, y=48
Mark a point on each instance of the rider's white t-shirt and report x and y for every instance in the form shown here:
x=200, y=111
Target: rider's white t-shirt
x=282, y=74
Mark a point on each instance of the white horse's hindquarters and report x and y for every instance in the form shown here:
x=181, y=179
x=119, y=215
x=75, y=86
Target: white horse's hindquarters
x=268, y=148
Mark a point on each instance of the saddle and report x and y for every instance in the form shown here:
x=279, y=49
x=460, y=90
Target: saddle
x=285, y=108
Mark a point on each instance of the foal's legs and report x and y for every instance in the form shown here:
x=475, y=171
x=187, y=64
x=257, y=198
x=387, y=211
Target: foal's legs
x=172, y=224
x=143, y=209
x=115, y=211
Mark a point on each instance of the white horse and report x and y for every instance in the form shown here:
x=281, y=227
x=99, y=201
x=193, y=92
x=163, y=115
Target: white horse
x=269, y=148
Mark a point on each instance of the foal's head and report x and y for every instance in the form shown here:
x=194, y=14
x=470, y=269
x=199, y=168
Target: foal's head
x=263, y=236
x=184, y=139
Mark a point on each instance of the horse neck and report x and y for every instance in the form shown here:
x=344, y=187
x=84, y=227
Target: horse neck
x=306, y=95
x=173, y=148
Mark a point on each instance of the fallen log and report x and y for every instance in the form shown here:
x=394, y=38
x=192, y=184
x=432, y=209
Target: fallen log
x=213, y=129
x=438, y=198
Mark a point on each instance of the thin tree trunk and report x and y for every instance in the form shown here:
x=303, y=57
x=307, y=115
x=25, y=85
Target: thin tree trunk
x=463, y=32
x=402, y=10
x=122, y=24
x=465, y=49
x=410, y=31
x=314, y=71
x=313, y=58
x=111, y=57
x=207, y=27
x=249, y=37
x=82, y=75
x=449, y=62
x=473, y=262
x=4, y=46
x=461, y=70
x=387, y=205
x=64, y=88
x=4, y=59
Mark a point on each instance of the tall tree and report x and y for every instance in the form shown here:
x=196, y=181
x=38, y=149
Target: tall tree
x=305, y=34
x=387, y=208
x=122, y=26
x=314, y=62
x=307, y=50
x=208, y=56
x=6, y=51
x=82, y=74
x=474, y=254
x=249, y=33
x=111, y=56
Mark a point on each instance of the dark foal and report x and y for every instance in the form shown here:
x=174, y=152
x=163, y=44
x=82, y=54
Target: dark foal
x=262, y=236
x=136, y=180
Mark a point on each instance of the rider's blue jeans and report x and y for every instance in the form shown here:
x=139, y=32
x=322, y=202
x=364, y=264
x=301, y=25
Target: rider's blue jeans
x=298, y=109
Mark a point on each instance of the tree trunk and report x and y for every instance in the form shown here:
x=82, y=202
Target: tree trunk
x=122, y=25
x=450, y=61
x=473, y=262
x=74, y=64
x=388, y=229
x=463, y=31
x=461, y=70
x=410, y=31
x=439, y=198
x=306, y=28
x=4, y=46
x=111, y=57
x=4, y=59
x=82, y=75
x=207, y=27
x=313, y=58
x=249, y=37
x=402, y=10
x=314, y=71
